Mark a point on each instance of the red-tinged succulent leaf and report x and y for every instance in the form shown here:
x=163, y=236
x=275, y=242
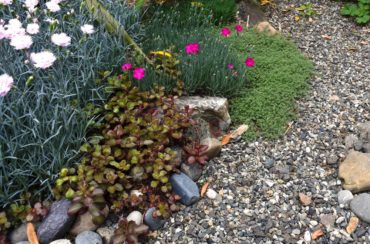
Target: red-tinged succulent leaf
x=75, y=208
x=131, y=239
x=98, y=192
x=141, y=229
x=191, y=160
x=203, y=148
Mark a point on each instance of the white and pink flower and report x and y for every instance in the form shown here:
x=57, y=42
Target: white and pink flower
x=43, y=59
x=21, y=42
x=31, y=5
x=6, y=83
x=6, y=2
x=87, y=29
x=33, y=28
x=61, y=39
x=53, y=6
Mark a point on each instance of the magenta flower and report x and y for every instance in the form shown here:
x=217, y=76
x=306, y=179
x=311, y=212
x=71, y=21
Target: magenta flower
x=249, y=62
x=139, y=73
x=238, y=28
x=192, y=48
x=230, y=66
x=225, y=32
x=126, y=67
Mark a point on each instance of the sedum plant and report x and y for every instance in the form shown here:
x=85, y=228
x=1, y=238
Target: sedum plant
x=127, y=158
x=360, y=11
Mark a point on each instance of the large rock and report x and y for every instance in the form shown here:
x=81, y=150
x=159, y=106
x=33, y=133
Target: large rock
x=212, y=109
x=85, y=222
x=252, y=11
x=88, y=237
x=355, y=171
x=214, y=147
x=360, y=205
x=57, y=223
x=185, y=187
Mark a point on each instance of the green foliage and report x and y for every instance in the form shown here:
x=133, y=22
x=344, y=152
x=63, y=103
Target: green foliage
x=42, y=122
x=129, y=232
x=307, y=9
x=205, y=73
x=127, y=159
x=278, y=78
x=223, y=10
x=360, y=11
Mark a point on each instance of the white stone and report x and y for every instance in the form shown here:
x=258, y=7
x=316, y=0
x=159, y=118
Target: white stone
x=340, y=220
x=307, y=236
x=211, y=194
x=61, y=241
x=135, y=216
x=136, y=193
x=345, y=197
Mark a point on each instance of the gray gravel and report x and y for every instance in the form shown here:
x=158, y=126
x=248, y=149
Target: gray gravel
x=260, y=181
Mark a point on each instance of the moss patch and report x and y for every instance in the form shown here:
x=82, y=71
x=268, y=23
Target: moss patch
x=278, y=79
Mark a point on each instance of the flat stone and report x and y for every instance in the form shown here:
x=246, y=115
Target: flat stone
x=360, y=205
x=19, y=234
x=352, y=225
x=88, y=237
x=364, y=129
x=57, y=222
x=106, y=233
x=344, y=197
x=304, y=199
x=269, y=163
x=185, y=187
x=153, y=223
x=61, y=241
x=211, y=194
x=214, y=147
x=85, y=222
x=350, y=141
x=355, y=171
x=194, y=171
x=332, y=159
x=328, y=220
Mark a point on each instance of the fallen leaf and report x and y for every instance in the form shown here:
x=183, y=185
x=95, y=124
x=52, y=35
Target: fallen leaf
x=354, y=49
x=204, y=189
x=266, y=2
x=326, y=37
x=31, y=234
x=316, y=234
x=234, y=134
x=297, y=18
x=352, y=225
x=304, y=199
x=226, y=139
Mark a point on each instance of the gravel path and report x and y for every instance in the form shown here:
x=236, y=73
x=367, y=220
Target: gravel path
x=259, y=182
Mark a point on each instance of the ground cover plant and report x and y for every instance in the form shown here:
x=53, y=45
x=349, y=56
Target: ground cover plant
x=360, y=11
x=51, y=54
x=278, y=78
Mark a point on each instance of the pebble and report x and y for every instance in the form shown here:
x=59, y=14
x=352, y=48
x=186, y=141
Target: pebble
x=63, y=241
x=135, y=216
x=88, y=237
x=344, y=197
x=211, y=194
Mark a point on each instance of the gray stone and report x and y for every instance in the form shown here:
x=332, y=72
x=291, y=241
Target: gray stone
x=19, y=234
x=269, y=163
x=21, y=242
x=328, y=220
x=57, y=223
x=194, y=171
x=252, y=11
x=360, y=205
x=61, y=241
x=85, y=222
x=153, y=223
x=358, y=145
x=350, y=141
x=332, y=159
x=88, y=237
x=344, y=197
x=364, y=129
x=185, y=187
x=366, y=148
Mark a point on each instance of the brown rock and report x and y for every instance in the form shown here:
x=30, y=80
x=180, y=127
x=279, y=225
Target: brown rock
x=352, y=225
x=84, y=222
x=214, y=147
x=317, y=233
x=265, y=26
x=251, y=11
x=107, y=234
x=304, y=199
x=355, y=171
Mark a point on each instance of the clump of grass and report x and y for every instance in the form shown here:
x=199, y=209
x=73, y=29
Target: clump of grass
x=278, y=79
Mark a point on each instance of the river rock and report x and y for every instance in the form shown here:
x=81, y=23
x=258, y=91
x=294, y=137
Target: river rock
x=135, y=216
x=106, y=233
x=61, y=241
x=57, y=222
x=364, y=129
x=355, y=171
x=19, y=234
x=153, y=223
x=360, y=205
x=88, y=237
x=214, y=147
x=344, y=197
x=185, y=187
